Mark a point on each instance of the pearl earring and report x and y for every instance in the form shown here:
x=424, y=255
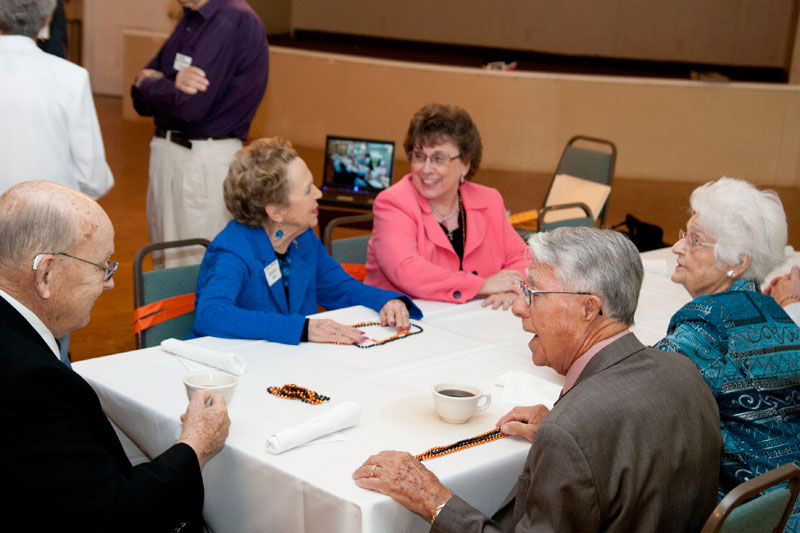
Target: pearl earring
x=461, y=180
x=731, y=273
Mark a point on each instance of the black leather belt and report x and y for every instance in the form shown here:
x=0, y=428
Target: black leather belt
x=184, y=140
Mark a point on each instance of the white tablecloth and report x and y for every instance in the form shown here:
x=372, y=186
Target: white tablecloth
x=309, y=488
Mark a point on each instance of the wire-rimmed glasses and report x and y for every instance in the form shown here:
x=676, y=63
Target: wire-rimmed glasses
x=693, y=241
x=438, y=159
x=109, y=269
x=529, y=293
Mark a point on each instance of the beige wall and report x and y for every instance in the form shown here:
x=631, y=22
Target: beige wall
x=276, y=14
x=106, y=21
x=685, y=130
x=794, y=70
x=104, y=24
x=690, y=131
x=138, y=47
x=735, y=32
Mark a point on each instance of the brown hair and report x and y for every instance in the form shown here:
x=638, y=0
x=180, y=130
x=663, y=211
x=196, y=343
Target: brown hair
x=256, y=178
x=438, y=123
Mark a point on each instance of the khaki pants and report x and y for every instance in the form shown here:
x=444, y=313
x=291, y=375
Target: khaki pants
x=184, y=195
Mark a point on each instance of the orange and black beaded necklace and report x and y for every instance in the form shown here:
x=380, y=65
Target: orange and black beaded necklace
x=483, y=438
x=290, y=391
x=371, y=343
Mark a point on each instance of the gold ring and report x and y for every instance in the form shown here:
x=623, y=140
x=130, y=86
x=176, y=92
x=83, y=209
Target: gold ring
x=372, y=470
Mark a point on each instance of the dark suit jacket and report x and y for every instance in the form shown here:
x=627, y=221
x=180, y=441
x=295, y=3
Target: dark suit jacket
x=633, y=446
x=62, y=465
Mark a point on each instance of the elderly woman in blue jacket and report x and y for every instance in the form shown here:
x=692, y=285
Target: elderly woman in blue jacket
x=267, y=270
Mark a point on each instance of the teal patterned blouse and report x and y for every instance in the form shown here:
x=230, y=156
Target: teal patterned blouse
x=748, y=351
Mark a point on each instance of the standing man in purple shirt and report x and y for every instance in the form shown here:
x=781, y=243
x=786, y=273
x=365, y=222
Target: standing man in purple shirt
x=203, y=89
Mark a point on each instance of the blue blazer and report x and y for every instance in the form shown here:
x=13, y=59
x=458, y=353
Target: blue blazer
x=234, y=299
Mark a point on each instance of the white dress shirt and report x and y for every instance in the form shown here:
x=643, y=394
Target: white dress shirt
x=34, y=321
x=49, y=129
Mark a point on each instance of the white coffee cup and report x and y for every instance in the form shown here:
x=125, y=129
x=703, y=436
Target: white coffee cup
x=217, y=382
x=456, y=402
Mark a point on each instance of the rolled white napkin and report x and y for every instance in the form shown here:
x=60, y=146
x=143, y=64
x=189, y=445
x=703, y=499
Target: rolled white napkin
x=229, y=362
x=344, y=415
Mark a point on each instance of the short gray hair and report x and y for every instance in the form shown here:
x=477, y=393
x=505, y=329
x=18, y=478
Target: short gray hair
x=601, y=261
x=744, y=222
x=24, y=17
x=33, y=225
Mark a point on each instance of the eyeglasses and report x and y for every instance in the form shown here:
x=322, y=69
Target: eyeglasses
x=693, y=241
x=528, y=294
x=438, y=159
x=110, y=269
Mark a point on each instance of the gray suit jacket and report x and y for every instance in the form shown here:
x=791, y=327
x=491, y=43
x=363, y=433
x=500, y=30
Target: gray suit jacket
x=633, y=446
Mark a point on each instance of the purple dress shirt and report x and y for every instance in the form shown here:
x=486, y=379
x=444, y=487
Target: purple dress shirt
x=226, y=39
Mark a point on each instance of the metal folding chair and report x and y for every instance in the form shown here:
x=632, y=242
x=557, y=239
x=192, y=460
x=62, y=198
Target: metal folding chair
x=585, y=162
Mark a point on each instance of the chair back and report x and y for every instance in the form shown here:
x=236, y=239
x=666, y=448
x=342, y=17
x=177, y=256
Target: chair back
x=350, y=249
x=350, y=252
x=591, y=159
x=586, y=220
x=767, y=512
x=164, y=299
x=595, y=161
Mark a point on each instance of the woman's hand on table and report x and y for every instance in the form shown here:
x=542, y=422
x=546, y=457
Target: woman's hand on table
x=502, y=281
x=402, y=477
x=325, y=330
x=785, y=288
x=523, y=421
x=395, y=313
x=504, y=299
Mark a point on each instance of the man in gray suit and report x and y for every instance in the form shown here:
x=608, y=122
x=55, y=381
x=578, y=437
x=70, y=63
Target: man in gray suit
x=633, y=444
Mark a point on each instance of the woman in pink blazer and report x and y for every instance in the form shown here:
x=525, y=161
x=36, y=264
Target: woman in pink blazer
x=436, y=235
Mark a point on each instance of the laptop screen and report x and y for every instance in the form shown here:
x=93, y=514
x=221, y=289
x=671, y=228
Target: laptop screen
x=357, y=165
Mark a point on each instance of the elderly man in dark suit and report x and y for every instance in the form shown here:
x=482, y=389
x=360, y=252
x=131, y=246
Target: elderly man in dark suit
x=633, y=444
x=60, y=460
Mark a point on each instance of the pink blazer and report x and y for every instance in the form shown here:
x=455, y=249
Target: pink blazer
x=409, y=252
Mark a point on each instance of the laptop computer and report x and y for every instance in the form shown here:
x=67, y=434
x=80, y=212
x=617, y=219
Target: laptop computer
x=355, y=170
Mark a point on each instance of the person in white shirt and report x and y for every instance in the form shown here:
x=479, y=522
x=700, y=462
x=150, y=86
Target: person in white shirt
x=49, y=129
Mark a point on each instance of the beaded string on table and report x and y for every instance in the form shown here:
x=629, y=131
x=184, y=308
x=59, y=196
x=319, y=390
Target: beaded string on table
x=483, y=438
x=291, y=391
x=376, y=342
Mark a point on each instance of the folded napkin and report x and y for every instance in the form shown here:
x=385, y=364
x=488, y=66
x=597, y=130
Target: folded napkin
x=229, y=362
x=344, y=415
x=523, y=388
x=659, y=267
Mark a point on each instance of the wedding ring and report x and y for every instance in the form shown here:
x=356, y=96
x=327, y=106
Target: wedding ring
x=372, y=470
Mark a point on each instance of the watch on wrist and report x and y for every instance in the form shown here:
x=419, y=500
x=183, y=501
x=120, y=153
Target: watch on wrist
x=437, y=511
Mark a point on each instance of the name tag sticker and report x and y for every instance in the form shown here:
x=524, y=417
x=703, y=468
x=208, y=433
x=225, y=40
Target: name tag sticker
x=181, y=61
x=273, y=272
